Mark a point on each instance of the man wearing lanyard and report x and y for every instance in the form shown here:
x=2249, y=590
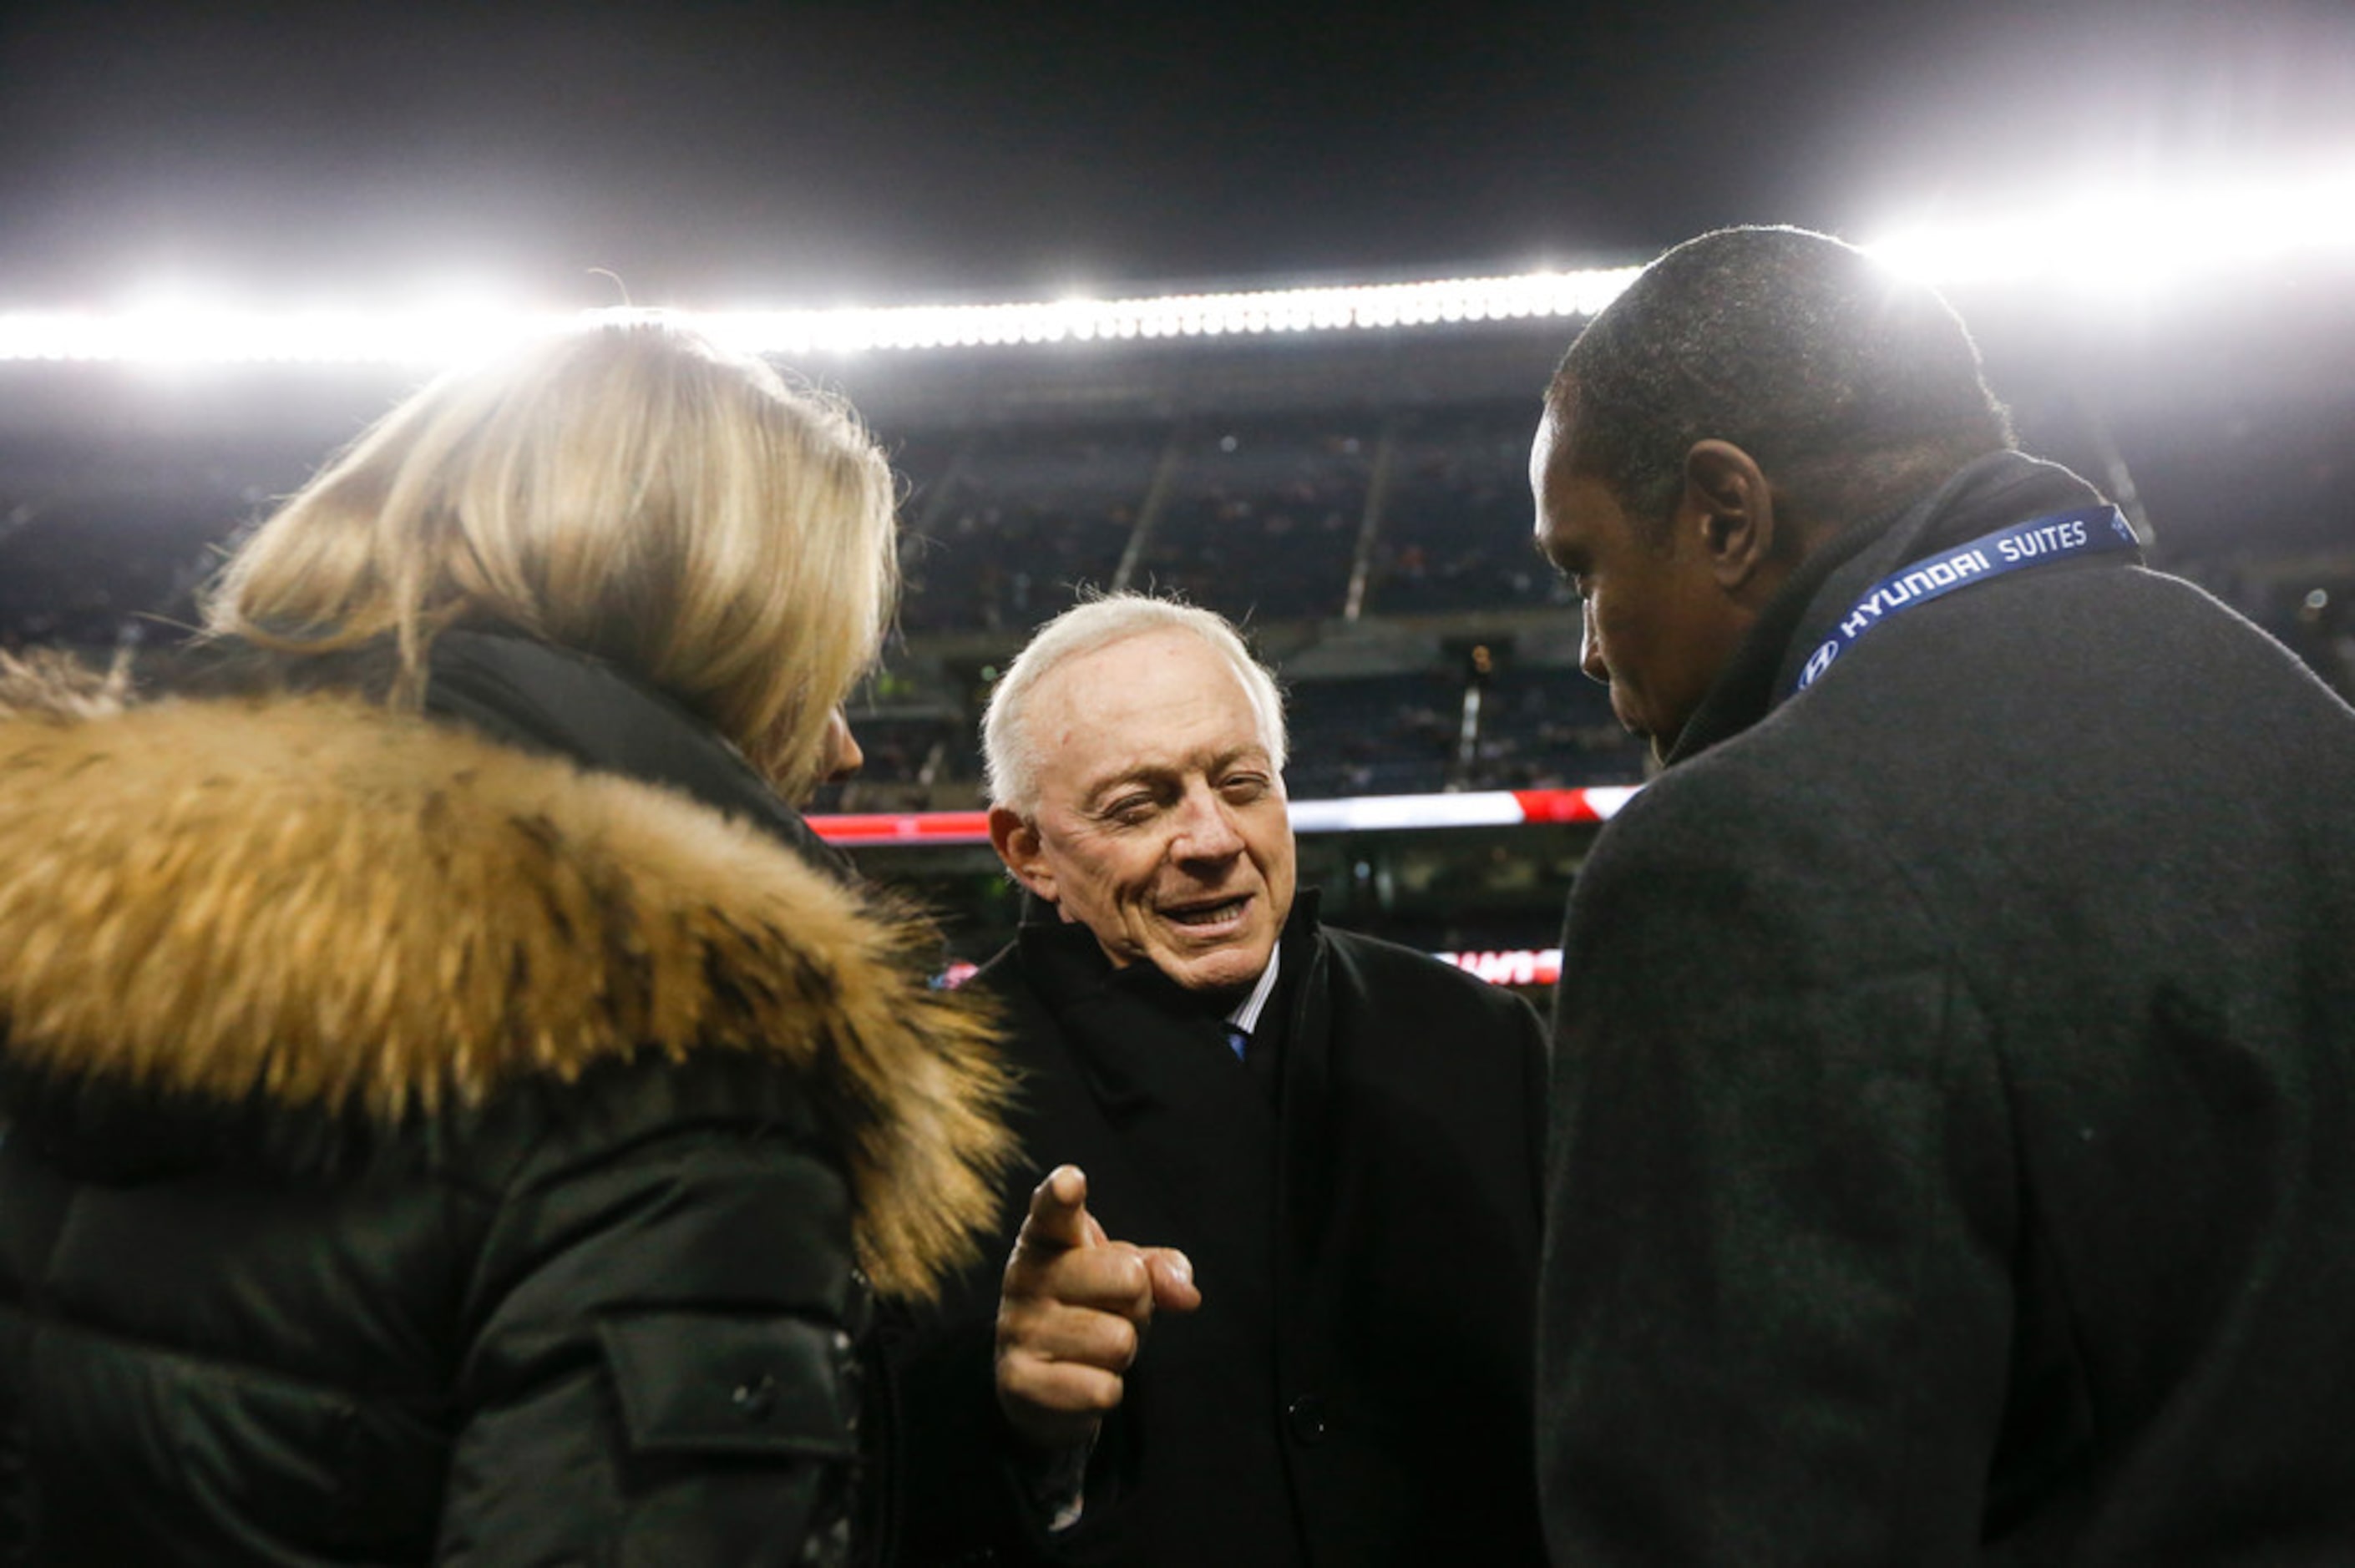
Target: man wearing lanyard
x=1263, y=1290
x=1952, y=1152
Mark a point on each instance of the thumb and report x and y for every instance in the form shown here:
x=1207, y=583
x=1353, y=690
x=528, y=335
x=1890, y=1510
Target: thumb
x=1172, y=1273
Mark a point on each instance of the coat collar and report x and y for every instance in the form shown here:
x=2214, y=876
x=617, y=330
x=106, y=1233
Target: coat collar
x=572, y=705
x=307, y=904
x=536, y=697
x=1985, y=494
x=1063, y=959
x=1140, y=1027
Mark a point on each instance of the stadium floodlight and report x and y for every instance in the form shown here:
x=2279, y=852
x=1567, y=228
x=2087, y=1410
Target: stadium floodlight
x=2118, y=241
x=2135, y=240
x=171, y=336
x=426, y=336
x=174, y=325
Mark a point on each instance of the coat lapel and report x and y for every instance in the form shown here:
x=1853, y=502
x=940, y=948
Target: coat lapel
x=1307, y=1157
x=1194, y=1121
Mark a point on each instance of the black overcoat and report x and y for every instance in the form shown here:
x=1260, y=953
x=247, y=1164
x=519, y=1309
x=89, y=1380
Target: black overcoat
x=1955, y=1154
x=1354, y=1388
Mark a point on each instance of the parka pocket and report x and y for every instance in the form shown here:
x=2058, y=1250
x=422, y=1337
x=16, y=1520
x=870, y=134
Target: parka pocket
x=708, y=1384
x=742, y=1438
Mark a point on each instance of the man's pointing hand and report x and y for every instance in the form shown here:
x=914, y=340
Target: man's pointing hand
x=1072, y=1313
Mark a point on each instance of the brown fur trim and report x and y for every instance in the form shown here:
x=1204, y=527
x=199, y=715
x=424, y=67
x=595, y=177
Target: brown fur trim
x=349, y=910
x=44, y=682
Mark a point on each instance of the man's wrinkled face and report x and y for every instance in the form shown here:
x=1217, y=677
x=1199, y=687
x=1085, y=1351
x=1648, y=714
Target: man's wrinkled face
x=1161, y=823
x=1658, y=627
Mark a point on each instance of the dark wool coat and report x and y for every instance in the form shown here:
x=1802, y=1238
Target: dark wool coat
x=1954, y=1156
x=1354, y=1389
x=422, y=1149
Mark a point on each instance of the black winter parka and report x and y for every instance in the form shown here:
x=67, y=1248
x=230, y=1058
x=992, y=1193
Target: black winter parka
x=446, y=1141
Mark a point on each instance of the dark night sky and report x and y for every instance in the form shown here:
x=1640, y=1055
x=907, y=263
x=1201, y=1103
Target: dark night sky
x=814, y=153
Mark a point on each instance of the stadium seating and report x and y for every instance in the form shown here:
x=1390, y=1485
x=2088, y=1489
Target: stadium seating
x=1454, y=532
x=1301, y=523
x=1262, y=521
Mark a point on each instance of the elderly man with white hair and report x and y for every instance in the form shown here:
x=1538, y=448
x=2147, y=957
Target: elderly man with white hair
x=1308, y=1161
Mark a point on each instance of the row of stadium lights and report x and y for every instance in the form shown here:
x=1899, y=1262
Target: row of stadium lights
x=2115, y=243
x=1539, y=294
x=436, y=336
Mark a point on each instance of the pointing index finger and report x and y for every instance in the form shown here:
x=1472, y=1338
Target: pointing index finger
x=1058, y=1213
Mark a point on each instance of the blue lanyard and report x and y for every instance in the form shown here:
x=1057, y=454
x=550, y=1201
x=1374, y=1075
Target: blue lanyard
x=2038, y=542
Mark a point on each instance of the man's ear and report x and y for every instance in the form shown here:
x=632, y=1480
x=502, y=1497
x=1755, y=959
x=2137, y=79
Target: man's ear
x=1729, y=508
x=1016, y=839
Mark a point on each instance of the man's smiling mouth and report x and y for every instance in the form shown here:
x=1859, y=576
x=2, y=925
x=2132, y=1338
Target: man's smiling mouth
x=1207, y=914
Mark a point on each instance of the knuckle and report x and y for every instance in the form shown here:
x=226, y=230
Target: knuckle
x=1125, y=1344
x=1126, y=1272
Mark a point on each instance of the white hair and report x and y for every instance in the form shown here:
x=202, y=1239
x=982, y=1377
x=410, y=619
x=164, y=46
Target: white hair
x=1010, y=757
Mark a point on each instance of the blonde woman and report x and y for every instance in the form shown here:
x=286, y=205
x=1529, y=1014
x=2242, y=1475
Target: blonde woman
x=453, y=1107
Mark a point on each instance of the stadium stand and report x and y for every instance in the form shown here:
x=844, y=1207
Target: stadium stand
x=1374, y=734
x=1454, y=529
x=1003, y=528
x=1262, y=520
x=1360, y=506
x=1549, y=728
x=100, y=570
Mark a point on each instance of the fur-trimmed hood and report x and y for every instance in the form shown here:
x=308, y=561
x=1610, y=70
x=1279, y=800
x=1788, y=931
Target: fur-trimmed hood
x=318, y=905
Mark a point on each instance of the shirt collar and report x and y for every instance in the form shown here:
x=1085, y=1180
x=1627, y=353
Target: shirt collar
x=1245, y=1016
